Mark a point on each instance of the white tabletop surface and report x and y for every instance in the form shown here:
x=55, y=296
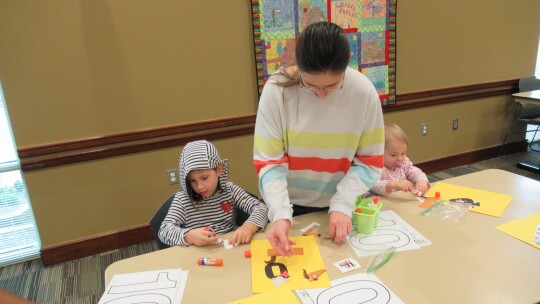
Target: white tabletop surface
x=467, y=262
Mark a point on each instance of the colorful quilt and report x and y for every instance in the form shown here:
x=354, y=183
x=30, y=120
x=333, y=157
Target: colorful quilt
x=370, y=25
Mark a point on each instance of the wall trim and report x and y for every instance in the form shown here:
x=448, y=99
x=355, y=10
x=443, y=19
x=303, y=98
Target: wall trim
x=86, y=149
x=143, y=233
x=95, y=244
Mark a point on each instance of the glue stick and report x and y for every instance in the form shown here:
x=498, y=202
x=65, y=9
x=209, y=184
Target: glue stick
x=210, y=262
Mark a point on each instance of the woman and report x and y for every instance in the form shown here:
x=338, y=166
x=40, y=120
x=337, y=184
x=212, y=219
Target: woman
x=319, y=136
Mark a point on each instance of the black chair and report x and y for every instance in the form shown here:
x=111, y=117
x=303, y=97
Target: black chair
x=161, y=213
x=158, y=218
x=527, y=113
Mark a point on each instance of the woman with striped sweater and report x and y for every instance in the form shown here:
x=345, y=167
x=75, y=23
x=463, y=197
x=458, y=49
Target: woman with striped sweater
x=319, y=136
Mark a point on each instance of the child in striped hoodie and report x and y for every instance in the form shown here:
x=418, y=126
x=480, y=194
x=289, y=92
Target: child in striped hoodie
x=208, y=204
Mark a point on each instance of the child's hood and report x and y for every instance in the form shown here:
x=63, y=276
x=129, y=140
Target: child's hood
x=201, y=154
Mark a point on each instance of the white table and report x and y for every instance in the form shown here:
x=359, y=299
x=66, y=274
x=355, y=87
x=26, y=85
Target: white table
x=468, y=262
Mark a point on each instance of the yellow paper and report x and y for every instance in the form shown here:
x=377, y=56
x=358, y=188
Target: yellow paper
x=522, y=229
x=486, y=202
x=304, y=269
x=271, y=297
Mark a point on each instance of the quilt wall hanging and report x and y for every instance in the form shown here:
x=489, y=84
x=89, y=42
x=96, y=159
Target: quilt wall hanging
x=369, y=24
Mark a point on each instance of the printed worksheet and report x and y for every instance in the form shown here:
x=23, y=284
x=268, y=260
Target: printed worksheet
x=358, y=288
x=392, y=231
x=159, y=286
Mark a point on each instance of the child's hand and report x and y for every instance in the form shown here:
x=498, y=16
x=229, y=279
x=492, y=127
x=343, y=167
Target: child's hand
x=422, y=186
x=243, y=234
x=201, y=237
x=403, y=185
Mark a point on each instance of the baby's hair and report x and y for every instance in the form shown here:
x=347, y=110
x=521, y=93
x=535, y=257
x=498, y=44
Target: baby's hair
x=394, y=132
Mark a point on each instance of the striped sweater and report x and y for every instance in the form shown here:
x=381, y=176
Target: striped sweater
x=318, y=152
x=218, y=210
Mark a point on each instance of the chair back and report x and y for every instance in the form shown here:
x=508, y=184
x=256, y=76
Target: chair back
x=157, y=219
x=529, y=113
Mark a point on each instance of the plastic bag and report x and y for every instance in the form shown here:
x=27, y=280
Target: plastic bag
x=445, y=210
x=381, y=259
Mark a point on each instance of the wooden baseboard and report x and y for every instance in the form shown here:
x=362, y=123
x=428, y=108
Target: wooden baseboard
x=470, y=157
x=95, y=244
x=142, y=233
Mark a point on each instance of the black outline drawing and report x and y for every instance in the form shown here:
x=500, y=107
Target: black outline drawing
x=147, y=291
x=358, y=288
x=352, y=292
x=162, y=278
x=385, y=237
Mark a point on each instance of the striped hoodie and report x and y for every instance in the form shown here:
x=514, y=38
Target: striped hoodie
x=218, y=210
x=318, y=152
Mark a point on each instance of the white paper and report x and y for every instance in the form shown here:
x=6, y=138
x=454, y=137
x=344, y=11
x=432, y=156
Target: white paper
x=157, y=286
x=358, y=288
x=391, y=230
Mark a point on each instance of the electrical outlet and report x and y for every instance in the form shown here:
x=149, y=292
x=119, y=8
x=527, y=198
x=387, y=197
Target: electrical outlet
x=455, y=124
x=172, y=175
x=424, y=129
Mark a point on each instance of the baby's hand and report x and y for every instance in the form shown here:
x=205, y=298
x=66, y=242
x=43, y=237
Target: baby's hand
x=403, y=185
x=422, y=186
x=243, y=234
x=201, y=237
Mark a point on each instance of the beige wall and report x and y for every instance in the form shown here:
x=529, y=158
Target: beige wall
x=77, y=69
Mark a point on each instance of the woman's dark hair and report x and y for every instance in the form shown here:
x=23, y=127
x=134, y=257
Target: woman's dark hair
x=322, y=47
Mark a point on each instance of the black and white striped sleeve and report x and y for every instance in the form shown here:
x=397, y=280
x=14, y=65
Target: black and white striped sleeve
x=171, y=231
x=257, y=210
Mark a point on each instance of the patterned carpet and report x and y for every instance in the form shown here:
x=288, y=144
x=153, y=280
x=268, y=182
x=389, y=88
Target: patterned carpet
x=82, y=281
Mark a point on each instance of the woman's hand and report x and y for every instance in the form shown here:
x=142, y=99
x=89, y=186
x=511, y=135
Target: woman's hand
x=278, y=236
x=201, y=236
x=243, y=234
x=340, y=225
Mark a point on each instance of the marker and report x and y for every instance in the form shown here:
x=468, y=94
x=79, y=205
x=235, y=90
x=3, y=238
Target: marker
x=210, y=262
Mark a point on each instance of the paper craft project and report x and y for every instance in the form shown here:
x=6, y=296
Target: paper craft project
x=392, y=231
x=486, y=202
x=523, y=229
x=358, y=288
x=271, y=297
x=304, y=269
x=346, y=265
x=159, y=286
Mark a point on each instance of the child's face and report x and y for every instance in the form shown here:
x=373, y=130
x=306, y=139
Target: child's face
x=394, y=154
x=204, y=181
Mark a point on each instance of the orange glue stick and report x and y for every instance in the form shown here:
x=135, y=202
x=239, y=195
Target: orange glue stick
x=210, y=262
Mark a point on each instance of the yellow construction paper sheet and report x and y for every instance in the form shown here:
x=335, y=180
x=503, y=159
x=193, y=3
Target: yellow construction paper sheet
x=271, y=297
x=522, y=229
x=304, y=269
x=486, y=202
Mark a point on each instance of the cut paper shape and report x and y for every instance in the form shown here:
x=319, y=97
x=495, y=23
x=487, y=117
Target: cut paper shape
x=522, y=229
x=271, y=272
x=485, y=202
x=271, y=297
x=392, y=231
x=358, y=288
x=159, y=286
x=346, y=265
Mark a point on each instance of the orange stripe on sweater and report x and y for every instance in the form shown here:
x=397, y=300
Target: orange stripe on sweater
x=259, y=164
x=375, y=161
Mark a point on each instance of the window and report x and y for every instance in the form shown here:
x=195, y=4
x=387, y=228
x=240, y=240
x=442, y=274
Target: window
x=537, y=69
x=19, y=239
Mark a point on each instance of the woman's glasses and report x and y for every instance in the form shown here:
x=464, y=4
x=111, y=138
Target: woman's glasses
x=316, y=90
